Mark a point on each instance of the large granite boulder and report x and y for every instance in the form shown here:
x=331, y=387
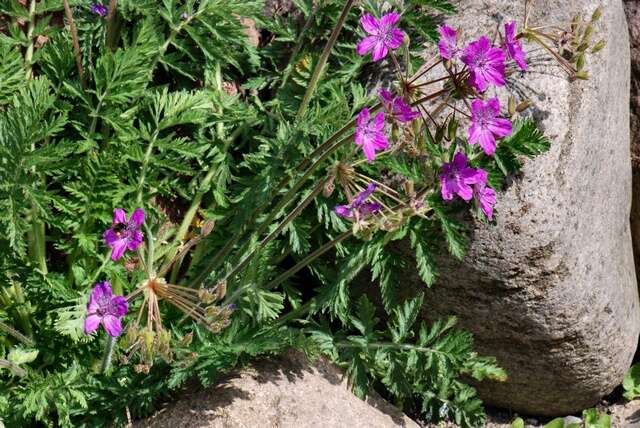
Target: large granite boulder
x=288, y=392
x=632, y=9
x=551, y=290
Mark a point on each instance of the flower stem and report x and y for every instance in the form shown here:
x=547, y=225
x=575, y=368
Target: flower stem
x=75, y=41
x=310, y=258
x=105, y=260
x=145, y=166
x=324, y=56
x=296, y=49
x=295, y=213
x=111, y=24
x=30, y=47
x=108, y=354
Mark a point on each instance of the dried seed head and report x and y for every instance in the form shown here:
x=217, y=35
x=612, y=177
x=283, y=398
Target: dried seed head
x=205, y=295
x=142, y=368
x=207, y=227
x=186, y=340
x=221, y=289
x=328, y=187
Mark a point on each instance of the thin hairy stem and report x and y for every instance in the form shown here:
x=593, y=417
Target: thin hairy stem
x=77, y=53
x=324, y=56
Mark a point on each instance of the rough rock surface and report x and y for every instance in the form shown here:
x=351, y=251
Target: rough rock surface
x=632, y=9
x=551, y=290
x=286, y=393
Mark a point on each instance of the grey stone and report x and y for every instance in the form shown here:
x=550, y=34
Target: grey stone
x=551, y=290
x=632, y=9
x=288, y=392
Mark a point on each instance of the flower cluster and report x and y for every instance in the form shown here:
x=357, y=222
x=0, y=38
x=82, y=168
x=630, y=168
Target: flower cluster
x=482, y=65
x=457, y=178
x=486, y=66
x=99, y=9
x=359, y=207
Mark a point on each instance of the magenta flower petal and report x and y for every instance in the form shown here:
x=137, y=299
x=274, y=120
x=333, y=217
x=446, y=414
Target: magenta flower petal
x=99, y=9
x=486, y=64
x=343, y=211
x=138, y=217
x=396, y=107
x=105, y=308
x=120, y=306
x=397, y=39
x=360, y=205
x=366, y=45
x=112, y=325
x=389, y=20
x=448, y=44
x=383, y=35
x=119, y=216
x=369, y=134
x=118, y=248
x=91, y=323
x=487, y=198
x=124, y=234
x=486, y=126
x=380, y=50
x=512, y=45
x=456, y=178
x=369, y=23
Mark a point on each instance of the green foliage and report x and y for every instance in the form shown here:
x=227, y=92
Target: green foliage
x=595, y=419
x=517, y=423
x=631, y=383
x=527, y=140
x=182, y=114
x=415, y=362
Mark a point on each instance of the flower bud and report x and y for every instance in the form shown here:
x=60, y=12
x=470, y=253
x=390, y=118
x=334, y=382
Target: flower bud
x=580, y=62
x=221, y=289
x=207, y=228
x=598, y=46
x=511, y=106
x=596, y=14
x=452, y=129
x=408, y=187
x=205, y=295
x=523, y=106
x=187, y=339
x=328, y=187
x=582, y=75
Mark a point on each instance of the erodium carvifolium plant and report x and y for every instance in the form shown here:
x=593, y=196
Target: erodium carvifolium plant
x=186, y=185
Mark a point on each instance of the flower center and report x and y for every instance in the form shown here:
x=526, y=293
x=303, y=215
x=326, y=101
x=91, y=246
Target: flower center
x=105, y=306
x=480, y=60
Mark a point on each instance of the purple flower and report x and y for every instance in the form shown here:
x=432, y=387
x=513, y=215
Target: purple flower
x=398, y=109
x=487, y=198
x=486, y=64
x=448, y=44
x=486, y=125
x=99, y=9
x=106, y=309
x=512, y=45
x=456, y=178
x=383, y=35
x=124, y=234
x=369, y=133
x=359, y=206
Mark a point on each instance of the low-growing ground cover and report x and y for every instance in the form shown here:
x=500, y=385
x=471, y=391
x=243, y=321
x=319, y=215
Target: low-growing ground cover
x=186, y=185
